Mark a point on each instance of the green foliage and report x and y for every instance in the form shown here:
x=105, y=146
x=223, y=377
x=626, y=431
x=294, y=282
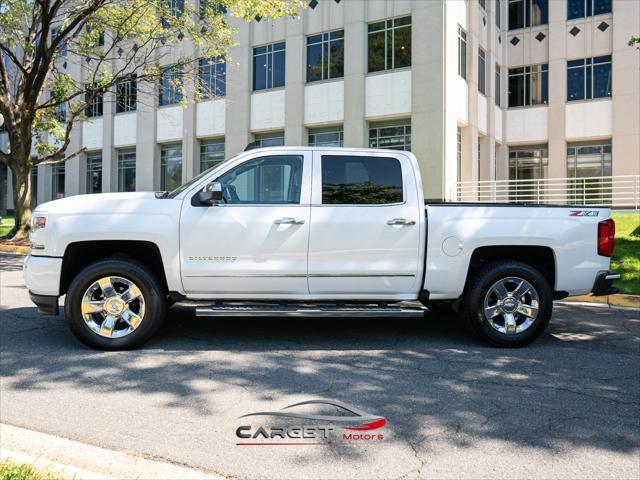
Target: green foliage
x=21, y=471
x=626, y=256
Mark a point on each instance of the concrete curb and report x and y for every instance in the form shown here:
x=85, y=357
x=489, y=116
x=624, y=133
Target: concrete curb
x=617, y=300
x=71, y=459
x=13, y=249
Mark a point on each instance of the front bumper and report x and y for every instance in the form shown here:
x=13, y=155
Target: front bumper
x=47, y=304
x=604, y=283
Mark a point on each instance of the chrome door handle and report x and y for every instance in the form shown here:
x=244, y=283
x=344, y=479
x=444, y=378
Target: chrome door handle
x=400, y=221
x=289, y=221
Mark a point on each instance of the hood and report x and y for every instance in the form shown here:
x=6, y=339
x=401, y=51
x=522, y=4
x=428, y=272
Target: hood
x=100, y=202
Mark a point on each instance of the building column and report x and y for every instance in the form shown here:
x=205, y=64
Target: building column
x=294, y=130
x=190, y=158
x=238, y=99
x=355, y=70
x=147, y=157
x=428, y=96
x=109, y=160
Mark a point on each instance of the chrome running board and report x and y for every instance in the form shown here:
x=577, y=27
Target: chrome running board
x=307, y=310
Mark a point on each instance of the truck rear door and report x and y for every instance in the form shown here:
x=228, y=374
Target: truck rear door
x=366, y=222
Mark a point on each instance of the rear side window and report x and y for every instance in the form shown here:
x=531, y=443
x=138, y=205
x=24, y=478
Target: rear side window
x=355, y=180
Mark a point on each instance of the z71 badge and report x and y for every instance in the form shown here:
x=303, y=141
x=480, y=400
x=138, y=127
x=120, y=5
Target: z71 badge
x=584, y=213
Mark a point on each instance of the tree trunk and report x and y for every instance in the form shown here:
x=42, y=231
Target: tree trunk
x=21, y=199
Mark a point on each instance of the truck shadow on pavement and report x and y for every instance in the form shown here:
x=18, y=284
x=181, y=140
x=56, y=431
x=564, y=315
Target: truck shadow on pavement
x=577, y=386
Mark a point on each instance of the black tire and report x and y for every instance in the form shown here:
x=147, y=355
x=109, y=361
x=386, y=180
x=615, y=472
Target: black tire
x=480, y=284
x=140, y=275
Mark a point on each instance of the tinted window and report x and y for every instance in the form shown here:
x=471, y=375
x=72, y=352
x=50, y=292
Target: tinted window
x=265, y=180
x=356, y=180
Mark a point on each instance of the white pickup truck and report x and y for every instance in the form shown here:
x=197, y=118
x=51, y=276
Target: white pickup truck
x=310, y=232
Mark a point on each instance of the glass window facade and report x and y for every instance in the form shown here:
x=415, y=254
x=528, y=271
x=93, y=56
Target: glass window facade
x=212, y=77
x=211, y=153
x=328, y=137
x=585, y=163
x=396, y=136
x=358, y=180
x=587, y=8
x=528, y=85
x=527, y=163
x=126, y=94
x=127, y=170
x=482, y=71
x=275, y=139
x=589, y=78
x=269, y=66
x=94, y=173
x=170, y=167
x=462, y=52
x=527, y=13
x=94, y=103
x=171, y=86
x=389, y=44
x=57, y=181
x=325, y=56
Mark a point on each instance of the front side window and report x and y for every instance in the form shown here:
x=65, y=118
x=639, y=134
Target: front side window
x=325, y=56
x=211, y=153
x=275, y=179
x=170, y=167
x=171, y=86
x=389, y=44
x=587, y=8
x=126, y=94
x=589, y=78
x=127, y=171
x=355, y=180
x=57, y=181
x=462, y=52
x=326, y=138
x=212, y=75
x=528, y=13
x=269, y=66
x=94, y=173
x=396, y=136
x=482, y=71
x=529, y=85
x=94, y=103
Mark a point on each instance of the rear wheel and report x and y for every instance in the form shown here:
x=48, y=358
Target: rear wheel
x=115, y=304
x=508, y=303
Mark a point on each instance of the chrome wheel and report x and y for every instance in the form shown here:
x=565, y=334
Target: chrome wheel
x=511, y=305
x=113, y=307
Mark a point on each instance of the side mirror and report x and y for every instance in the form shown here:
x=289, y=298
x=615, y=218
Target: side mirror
x=211, y=194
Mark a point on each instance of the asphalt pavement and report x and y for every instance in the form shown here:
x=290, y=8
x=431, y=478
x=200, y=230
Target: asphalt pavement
x=566, y=406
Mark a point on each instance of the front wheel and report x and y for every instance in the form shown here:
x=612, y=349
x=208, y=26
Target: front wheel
x=115, y=304
x=508, y=303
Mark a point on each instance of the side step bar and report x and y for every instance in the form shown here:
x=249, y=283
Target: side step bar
x=222, y=310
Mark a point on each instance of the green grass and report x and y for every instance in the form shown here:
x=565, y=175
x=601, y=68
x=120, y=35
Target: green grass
x=22, y=471
x=6, y=225
x=626, y=256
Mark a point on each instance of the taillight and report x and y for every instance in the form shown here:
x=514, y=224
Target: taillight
x=606, y=237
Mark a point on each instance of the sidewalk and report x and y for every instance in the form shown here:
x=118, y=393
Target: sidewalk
x=75, y=460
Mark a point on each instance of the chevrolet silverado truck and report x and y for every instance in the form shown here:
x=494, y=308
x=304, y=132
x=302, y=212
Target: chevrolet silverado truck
x=310, y=232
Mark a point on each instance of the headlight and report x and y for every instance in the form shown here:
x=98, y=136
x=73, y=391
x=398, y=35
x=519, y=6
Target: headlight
x=38, y=221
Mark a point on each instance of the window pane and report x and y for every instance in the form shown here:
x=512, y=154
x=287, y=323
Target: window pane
x=314, y=62
x=575, y=9
x=575, y=83
x=396, y=137
x=539, y=12
x=462, y=53
x=376, y=53
x=211, y=153
x=356, y=180
x=516, y=14
x=171, y=167
x=601, y=6
x=336, y=59
x=265, y=180
x=481, y=71
x=402, y=47
x=602, y=80
x=325, y=138
x=94, y=174
x=127, y=171
x=278, y=68
x=516, y=89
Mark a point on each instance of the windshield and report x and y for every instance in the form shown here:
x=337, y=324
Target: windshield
x=194, y=180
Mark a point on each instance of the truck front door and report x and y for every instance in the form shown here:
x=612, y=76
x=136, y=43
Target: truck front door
x=255, y=242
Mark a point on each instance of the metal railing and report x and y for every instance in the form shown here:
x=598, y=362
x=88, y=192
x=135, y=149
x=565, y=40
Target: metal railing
x=622, y=191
